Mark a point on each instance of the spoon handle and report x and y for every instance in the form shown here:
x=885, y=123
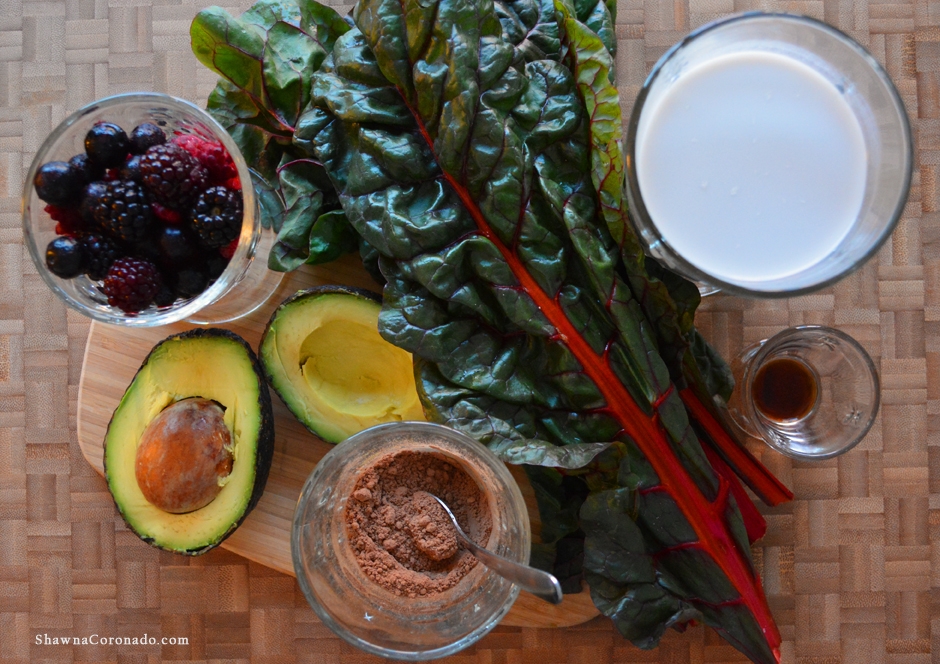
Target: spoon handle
x=539, y=583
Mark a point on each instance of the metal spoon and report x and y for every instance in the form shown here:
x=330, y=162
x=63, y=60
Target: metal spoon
x=539, y=583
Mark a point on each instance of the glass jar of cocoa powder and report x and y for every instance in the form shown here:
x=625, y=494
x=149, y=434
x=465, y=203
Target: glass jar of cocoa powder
x=357, y=540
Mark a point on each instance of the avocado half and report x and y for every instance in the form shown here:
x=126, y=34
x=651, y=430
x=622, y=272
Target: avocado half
x=213, y=364
x=324, y=357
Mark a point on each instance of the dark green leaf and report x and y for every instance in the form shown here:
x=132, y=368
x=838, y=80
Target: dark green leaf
x=483, y=185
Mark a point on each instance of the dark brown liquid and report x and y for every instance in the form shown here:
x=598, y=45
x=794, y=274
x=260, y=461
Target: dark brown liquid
x=784, y=389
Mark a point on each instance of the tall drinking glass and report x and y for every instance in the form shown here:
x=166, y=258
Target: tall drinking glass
x=768, y=155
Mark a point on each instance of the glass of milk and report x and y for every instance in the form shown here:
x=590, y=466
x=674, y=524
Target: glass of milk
x=768, y=155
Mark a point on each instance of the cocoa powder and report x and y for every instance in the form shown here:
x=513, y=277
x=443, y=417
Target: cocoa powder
x=401, y=537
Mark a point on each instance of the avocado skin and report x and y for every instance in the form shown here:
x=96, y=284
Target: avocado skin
x=265, y=452
x=316, y=291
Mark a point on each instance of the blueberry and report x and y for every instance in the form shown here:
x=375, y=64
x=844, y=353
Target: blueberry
x=176, y=247
x=215, y=265
x=131, y=169
x=106, y=145
x=165, y=296
x=190, y=283
x=145, y=136
x=92, y=195
x=58, y=183
x=65, y=257
x=83, y=166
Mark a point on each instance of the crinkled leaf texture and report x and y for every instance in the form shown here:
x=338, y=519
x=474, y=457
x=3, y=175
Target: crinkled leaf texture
x=470, y=169
x=266, y=58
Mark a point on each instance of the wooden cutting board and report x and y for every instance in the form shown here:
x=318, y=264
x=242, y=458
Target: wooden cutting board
x=113, y=355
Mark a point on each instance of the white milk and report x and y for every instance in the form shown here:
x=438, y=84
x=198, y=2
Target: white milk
x=751, y=165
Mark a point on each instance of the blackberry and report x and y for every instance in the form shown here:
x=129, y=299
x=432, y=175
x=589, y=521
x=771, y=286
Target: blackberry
x=87, y=170
x=131, y=284
x=100, y=254
x=131, y=169
x=106, y=145
x=172, y=176
x=175, y=246
x=217, y=216
x=65, y=257
x=123, y=211
x=58, y=183
x=145, y=136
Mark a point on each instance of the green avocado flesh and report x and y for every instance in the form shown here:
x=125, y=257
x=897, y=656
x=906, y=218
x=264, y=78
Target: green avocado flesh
x=216, y=365
x=324, y=357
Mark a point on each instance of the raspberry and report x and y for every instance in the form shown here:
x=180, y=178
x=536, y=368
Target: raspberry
x=211, y=155
x=229, y=250
x=217, y=216
x=100, y=254
x=65, y=257
x=172, y=176
x=123, y=211
x=235, y=184
x=131, y=284
x=165, y=214
x=69, y=220
x=106, y=145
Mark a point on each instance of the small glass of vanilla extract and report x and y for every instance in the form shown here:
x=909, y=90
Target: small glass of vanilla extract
x=810, y=392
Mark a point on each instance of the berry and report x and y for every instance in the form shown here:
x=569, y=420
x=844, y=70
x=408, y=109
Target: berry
x=175, y=246
x=172, y=176
x=68, y=220
x=58, y=183
x=100, y=254
x=235, y=184
x=145, y=136
x=165, y=214
x=190, y=283
x=131, y=284
x=65, y=257
x=215, y=266
x=228, y=250
x=131, y=169
x=165, y=297
x=211, y=155
x=106, y=145
x=88, y=171
x=123, y=211
x=92, y=198
x=217, y=216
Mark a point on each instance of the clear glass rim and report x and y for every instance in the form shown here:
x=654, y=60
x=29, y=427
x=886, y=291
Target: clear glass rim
x=248, y=237
x=768, y=346
x=638, y=207
x=338, y=628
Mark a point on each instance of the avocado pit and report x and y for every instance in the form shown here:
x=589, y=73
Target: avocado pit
x=183, y=456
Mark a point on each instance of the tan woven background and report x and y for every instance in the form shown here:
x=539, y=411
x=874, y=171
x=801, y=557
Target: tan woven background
x=852, y=567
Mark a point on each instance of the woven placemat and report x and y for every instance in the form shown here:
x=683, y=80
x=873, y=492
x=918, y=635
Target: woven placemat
x=848, y=567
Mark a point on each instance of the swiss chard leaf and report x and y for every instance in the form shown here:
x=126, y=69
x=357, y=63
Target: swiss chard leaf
x=266, y=58
x=473, y=178
x=667, y=300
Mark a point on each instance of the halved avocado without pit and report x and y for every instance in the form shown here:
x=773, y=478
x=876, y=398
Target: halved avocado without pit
x=324, y=357
x=207, y=378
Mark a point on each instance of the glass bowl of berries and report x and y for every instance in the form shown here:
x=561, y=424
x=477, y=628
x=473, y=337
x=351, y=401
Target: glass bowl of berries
x=138, y=210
